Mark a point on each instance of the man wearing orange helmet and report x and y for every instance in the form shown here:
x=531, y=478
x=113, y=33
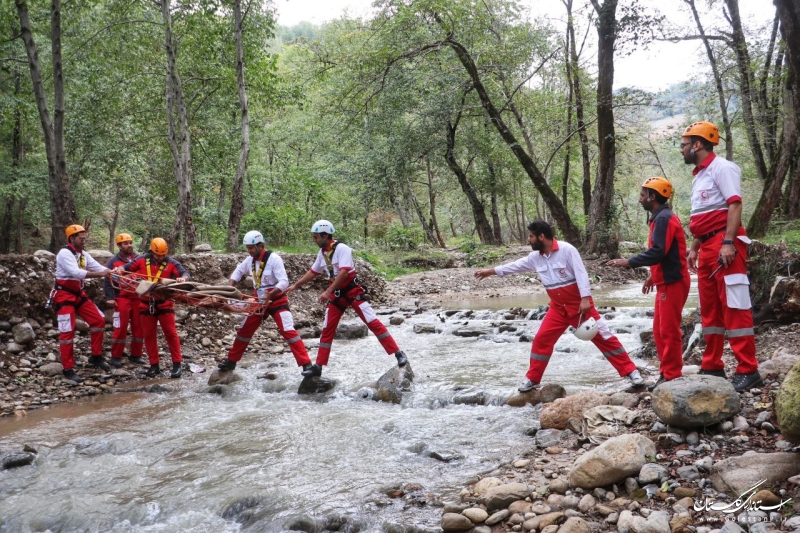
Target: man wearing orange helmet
x=73, y=266
x=666, y=257
x=154, y=266
x=126, y=308
x=718, y=255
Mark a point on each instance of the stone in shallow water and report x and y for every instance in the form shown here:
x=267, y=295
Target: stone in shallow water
x=393, y=384
x=315, y=385
x=221, y=377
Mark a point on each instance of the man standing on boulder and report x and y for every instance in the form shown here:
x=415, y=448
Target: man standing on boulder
x=719, y=256
x=666, y=258
x=336, y=260
x=126, y=308
x=563, y=275
x=73, y=266
x=269, y=282
x=154, y=266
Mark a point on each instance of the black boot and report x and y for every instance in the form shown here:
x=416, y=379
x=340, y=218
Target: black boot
x=652, y=387
x=311, y=371
x=153, y=371
x=742, y=382
x=71, y=375
x=116, y=363
x=97, y=360
x=177, y=370
x=136, y=360
x=227, y=365
x=402, y=360
x=718, y=373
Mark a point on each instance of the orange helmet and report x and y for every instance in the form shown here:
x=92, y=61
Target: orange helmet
x=706, y=130
x=73, y=229
x=122, y=237
x=661, y=185
x=159, y=246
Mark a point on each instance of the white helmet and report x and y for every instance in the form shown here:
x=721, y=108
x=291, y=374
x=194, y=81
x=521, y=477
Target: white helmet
x=322, y=226
x=253, y=237
x=587, y=330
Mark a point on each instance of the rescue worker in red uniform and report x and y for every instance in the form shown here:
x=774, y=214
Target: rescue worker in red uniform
x=336, y=260
x=669, y=274
x=154, y=266
x=269, y=282
x=73, y=266
x=126, y=308
x=561, y=271
x=719, y=256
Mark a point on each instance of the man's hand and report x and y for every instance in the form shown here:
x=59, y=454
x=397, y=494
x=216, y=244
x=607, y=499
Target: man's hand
x=180, y=280
x=691, y=259
x=290, y=289
x=484, y=273
x=618, y=263
x=726, y=254
x=585, y=305
x=111, y=303
x=648, y=285
x=325, y=296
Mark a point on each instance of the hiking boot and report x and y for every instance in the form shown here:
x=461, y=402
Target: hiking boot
x=136, y=360
x=636, y=378
x=402, y=360
x=742, y=382
x=226, y=365
x=71, y=375
x=528, y=386
x=661, y=379
x=718, y=373
x=311, y=371
x=153, y=371
x=97, y=360
x=116, y=363
x=177, y=370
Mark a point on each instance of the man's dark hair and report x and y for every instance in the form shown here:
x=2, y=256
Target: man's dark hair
x=540, y=227
x=707, y=145
x=659, y=197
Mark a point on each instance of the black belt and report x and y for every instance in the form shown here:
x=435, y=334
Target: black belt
x=704, y=238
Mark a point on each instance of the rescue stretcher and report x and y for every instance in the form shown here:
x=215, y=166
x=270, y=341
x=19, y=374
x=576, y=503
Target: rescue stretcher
x=190, y=293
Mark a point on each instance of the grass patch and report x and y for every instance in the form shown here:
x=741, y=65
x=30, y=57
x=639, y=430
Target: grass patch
x=394, y=263
x=787, y=231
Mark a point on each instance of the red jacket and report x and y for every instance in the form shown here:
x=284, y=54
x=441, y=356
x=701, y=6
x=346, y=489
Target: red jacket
x=168, y=269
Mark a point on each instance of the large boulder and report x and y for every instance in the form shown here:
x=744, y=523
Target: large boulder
x=352, y=330
x=471, y=332
x=787, y=405
x=734, y=475
x=695, y=401
x=226, y=377
x=611, y=462
x=23, y=333
x=455, y=522
x=781, y=364
x=504, y=495
x=393, y=384
x=557, y=414
x=101, y=256
x=547, y=394
x=315, y=385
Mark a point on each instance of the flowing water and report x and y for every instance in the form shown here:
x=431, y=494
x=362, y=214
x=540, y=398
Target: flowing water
x=252, y=461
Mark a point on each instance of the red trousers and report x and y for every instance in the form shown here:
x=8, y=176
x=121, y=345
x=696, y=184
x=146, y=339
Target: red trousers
x=127, y=312
x=725, y=307
x=667, y=334
x=162, y=313
x=279, y=311
x=555, y=323
x=68, y=306
x=333, y=314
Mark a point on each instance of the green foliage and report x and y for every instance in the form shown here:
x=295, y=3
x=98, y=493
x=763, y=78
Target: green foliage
x=403, y=238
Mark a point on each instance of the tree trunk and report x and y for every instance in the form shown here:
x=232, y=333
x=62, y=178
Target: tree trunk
x=5, y=226
x=62, y=206
x=19, y=234
x=112, y=227
x=496, y=229
x=237, y=197
x=430, y=235
x=598, y=229
x=432, y=202
x=793, y=190
x=568, y=229
x=570, y=90
x=179, y=141
x=723, y=105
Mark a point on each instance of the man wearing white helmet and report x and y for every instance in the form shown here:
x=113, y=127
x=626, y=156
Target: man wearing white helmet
x=563, y=275
x=269, y=282
x=336, y=260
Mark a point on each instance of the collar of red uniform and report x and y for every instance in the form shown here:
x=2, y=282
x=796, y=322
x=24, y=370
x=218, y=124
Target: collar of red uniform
x=657, y=211
x=704, y=164
x=329, y=246
x=555, y=245
x=261, y=257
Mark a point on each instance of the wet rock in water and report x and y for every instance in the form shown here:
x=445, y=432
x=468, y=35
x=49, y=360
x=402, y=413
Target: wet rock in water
x=470, y=398
x=455, y=522
x=223, y=390
x=23, y=333
x=351, y=331
x=787, y=405
x=737, y=474
x=304, y=523
x=9, y=460
x=695, y=401
x=445, y=456
x=315, y=385
x=557, y=414
x=504, y=495
x=242, y=510
x=611, y=462
x=546, y=394
x=426, y=328
x=471, y=332
x=223, y=377
x=393, y=384
x=52, y=369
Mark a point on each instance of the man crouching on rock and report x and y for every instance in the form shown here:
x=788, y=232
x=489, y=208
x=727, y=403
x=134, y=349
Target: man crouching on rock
x=563, y=275
x=269, y=282
x=73, y=266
